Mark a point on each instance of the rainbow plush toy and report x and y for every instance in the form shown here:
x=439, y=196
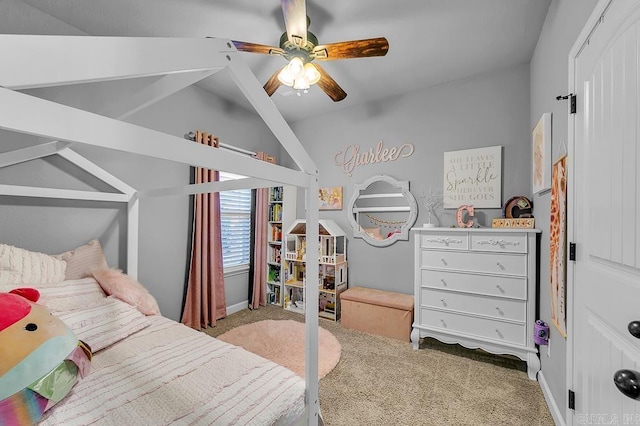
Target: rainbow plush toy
x=40, y=358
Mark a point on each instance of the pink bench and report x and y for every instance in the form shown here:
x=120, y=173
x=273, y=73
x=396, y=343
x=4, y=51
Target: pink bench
x=384, y=313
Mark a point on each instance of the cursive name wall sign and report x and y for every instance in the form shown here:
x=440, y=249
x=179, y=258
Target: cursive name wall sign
x=473, y=176
x=351, y=157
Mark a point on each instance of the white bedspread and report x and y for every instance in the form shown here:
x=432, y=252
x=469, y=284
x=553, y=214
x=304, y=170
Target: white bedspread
x=167, y=373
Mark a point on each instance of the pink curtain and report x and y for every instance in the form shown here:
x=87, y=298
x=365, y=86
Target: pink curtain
x=205, y=301
x=259, y=294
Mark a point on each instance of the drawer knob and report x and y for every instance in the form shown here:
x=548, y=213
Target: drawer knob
x=444, y=324
x=444, y=262
x=499, y=333
x=444, y=303
x=444, y=283
x=500, y=289
x=499, y=265
x=500, y=311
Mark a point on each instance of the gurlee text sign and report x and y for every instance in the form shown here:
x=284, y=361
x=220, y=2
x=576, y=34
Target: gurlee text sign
x=351, y=157
x=473, y=177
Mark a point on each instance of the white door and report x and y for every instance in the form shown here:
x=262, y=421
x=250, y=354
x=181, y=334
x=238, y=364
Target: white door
x=606, y=219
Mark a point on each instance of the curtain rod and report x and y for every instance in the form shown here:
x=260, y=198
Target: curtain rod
x=191, y=136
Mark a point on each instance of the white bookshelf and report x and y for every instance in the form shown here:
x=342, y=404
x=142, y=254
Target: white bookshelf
x=281, y=211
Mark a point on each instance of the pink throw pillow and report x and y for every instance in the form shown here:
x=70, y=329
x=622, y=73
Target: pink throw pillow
x=83, y=260
x=115, y=282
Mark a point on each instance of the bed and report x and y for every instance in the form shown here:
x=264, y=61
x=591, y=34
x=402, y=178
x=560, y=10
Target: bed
x=150, y=370
x=170, y=373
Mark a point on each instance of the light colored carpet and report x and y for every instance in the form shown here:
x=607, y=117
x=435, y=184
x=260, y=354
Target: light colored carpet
x=382, y=381
x=282, y=341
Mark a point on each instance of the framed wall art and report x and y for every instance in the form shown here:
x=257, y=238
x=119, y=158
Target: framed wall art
x=330, y=198
x=473, y=177
x=541, y=154
x=558, y=245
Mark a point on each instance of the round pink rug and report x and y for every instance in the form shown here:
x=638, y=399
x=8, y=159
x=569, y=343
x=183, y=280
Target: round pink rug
x=282, y=341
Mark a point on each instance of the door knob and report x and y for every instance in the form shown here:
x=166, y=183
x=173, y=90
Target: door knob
x=634, y=329
x=628, y=382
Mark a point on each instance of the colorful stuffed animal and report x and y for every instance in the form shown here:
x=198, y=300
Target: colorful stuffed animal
x=40, y=358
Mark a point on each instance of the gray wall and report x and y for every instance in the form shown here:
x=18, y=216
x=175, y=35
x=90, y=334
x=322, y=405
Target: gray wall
x=549, y=78
x=487, y=110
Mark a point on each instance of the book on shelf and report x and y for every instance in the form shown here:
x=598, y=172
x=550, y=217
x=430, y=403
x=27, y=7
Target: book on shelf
x=274, y=274
x=275, y=254
x=276, y=233
x=276, y=194
x=273, y=295
x=275, y=213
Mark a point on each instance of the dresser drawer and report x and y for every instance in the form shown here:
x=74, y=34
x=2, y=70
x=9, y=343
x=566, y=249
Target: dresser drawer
x=502, y=242
x=445, y=240
x=512, y=287
x=483, y=328
x=511, y=309
x=493, y=263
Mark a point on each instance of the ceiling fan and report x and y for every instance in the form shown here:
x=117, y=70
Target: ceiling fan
x=301, y=48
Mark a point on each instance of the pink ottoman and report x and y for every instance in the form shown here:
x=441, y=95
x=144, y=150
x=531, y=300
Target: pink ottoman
x=379, y=312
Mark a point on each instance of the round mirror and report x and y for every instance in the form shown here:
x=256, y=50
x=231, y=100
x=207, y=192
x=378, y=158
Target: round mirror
x=382, y=210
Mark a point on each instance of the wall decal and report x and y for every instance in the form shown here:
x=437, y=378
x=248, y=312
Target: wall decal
x=473, y=176
x=351, y=157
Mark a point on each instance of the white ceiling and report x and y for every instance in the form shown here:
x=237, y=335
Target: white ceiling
x=430, y=41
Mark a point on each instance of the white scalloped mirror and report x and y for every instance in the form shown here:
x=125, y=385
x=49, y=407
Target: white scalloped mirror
x=382, y=210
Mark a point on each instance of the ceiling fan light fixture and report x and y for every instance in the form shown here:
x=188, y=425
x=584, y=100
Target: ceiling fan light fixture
x=285, y=77
x=296, y=67
x=299, y=75
x=301, y=84
x=311, y=74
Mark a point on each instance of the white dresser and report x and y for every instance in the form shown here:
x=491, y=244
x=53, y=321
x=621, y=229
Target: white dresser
x=477, y=287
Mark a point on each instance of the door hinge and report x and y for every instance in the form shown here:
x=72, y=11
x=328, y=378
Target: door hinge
x=572, y=101
x=572, y=400
x=572, y=251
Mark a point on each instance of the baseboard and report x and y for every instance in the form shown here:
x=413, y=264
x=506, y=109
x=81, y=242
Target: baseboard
x=557, y=415
x=237, y=307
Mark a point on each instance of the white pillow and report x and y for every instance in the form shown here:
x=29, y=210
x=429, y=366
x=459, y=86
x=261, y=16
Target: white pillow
x=66, y=295
x=105, y=323
x=70, y=295
x=19, y=266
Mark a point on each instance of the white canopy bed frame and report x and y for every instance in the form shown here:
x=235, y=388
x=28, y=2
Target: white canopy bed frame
x=31, y=61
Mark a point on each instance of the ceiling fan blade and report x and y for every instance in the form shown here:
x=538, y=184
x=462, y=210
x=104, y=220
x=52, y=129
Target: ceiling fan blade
x=295, y=21
x=243, y=46
x=351, y=49
x=329, y=85
x=272, y=84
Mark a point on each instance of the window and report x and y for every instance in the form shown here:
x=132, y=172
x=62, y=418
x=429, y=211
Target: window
x=235, y=217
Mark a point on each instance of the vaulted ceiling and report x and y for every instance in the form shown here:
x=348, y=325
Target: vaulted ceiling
x=430, y=41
